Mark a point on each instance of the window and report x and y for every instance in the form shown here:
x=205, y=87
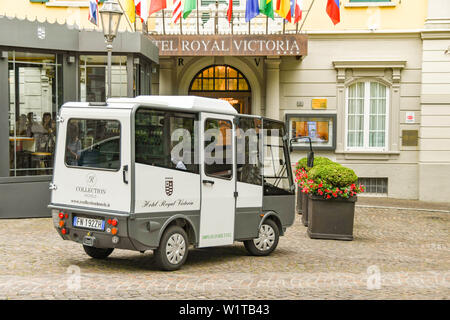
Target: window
x=165, y=140
x=93, y=78
x=219, y=78
x=218, y=148
x=320, y=128
x=35, y=93
x=248, y=150
x=375, y=185
x=276, y=169
x=93, y=143
x=367, y=116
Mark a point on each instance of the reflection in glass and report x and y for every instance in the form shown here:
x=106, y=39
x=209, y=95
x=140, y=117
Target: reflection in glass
x=34, y=95
x=93, y=77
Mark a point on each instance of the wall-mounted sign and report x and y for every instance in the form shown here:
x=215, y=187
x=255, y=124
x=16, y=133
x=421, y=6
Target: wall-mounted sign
x=231, y=45
x=319, y=104
x=321, y=128
x=410, y=138
x=410, y=117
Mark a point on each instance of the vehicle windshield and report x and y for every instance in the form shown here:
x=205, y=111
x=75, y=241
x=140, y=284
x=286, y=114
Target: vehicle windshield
x=93, y=143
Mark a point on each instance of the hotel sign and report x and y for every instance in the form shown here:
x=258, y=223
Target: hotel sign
x=231, y=45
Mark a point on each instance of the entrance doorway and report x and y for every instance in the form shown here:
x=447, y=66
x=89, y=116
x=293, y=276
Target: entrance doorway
x=223, y=82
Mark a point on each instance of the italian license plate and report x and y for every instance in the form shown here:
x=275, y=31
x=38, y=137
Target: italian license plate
x=88, y=223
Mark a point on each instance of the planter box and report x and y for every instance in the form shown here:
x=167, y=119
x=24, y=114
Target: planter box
x=331, y=218
x=305, y=211
x=299, y=201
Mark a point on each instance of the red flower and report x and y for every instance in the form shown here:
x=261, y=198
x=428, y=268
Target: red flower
x=320, y=185
x=328, y=196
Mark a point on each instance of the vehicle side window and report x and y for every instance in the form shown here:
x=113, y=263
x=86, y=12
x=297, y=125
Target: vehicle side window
x=218, y=148
x=276, y=168
x=249, y=165
x=165, y=139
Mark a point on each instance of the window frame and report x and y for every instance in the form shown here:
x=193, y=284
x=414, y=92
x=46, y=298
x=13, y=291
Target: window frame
x=167, y=114
x=95, y=168
x=366, y=120
x=232, y=149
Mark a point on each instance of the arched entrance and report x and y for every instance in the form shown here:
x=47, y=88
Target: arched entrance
x=223, y=82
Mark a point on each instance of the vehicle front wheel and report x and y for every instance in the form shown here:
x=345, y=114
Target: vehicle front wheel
x=267, y=239
x=98, y=253
x=173, y=249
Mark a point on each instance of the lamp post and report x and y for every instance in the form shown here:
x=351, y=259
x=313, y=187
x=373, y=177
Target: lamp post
x=110, y=14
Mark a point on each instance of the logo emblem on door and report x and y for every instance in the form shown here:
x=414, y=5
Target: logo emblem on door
x=91, y=179
x=169, y=186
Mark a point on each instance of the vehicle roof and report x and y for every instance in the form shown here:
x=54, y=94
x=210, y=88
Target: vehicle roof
x=177, y=103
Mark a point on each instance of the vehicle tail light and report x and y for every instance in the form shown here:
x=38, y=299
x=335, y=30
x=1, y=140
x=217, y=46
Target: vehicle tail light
x=61, y=223
x=114, y=230
x=63, y=231
x=61, y=215
x=67, y=215
x=114, y=222
x=109, y=221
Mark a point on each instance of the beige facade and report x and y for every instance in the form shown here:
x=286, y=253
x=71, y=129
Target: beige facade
x=413, y=65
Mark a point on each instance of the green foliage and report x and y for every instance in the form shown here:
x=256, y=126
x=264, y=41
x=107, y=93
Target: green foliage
x=333, y=174
x=302, y=163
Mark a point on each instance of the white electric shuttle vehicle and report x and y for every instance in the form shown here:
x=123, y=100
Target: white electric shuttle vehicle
x=166, y=173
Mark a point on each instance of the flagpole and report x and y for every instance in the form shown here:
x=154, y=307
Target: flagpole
x=198, y=26
x=307, y=14
x=181, y=25
x=164, y=22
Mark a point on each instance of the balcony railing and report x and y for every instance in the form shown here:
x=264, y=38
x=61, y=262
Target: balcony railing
x=212, y=20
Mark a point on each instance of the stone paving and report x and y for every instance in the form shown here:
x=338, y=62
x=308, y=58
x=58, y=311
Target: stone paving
x=396, y=254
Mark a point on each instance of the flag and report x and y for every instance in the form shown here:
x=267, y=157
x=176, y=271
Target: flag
x=296, y=10
x=251, y=10
x=333, y=11
x=156, y=5
x=176, y=14
x=189, y=5
x=130, y=10
x=230, y=10
x=284, y=9
x=93, y=11
x=141, y=9
x=266, y=8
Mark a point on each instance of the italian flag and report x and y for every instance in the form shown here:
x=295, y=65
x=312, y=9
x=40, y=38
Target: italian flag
x=189, y=5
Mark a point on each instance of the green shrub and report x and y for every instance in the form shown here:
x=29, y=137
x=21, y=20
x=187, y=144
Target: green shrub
x=334, y=174
x=302, y=163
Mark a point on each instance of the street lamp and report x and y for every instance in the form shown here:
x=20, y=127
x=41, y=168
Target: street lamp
x=110, y=14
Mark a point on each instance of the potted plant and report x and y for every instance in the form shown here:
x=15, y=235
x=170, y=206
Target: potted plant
x=301, y=175
x=332, y=192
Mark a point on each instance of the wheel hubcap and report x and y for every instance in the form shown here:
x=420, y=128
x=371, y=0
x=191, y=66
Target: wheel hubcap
x=266, y=238
x=175, y=248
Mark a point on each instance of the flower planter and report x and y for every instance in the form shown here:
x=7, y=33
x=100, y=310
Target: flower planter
x=305, y=211
x=331, y=218
x=299, y=200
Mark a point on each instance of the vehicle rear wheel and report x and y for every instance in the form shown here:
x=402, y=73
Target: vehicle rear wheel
x=98, y=253
x=267, y=239
x=173, y=249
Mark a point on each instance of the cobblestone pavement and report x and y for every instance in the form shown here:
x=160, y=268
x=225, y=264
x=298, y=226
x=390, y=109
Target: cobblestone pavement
x=396, y=254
